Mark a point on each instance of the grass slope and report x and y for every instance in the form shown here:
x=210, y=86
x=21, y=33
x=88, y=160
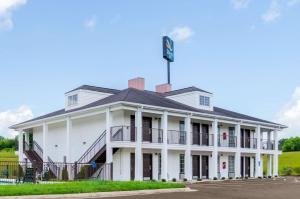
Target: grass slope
x=8, y=156
x=287, y=159
x=82, y=187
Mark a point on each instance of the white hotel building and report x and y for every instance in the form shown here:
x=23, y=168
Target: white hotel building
x=157, y=135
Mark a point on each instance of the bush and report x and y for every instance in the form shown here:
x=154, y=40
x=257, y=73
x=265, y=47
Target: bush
x=246, y=177
x=199, y=179
x=230, y=178
x=65, y=175
x=174, y=180
x=237, y=178
x=163, y=180
x=215, y=178
x=259, y=177
x=223, y=178
x=269, y=176
x=185, y=180
x=287, y=171
x=297, y=170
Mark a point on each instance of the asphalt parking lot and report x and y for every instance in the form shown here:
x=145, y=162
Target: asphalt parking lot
x=280, y=188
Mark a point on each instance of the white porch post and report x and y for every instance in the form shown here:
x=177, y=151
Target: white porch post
x=164, y=154
x=187, y=156
x=275, y=160
x=21, y=152
x=258, y=153
x=45, y=145
x=109, y=157
x=68, y=145
x=237, y=164
x=214, y=159
x=269, y=165
x=138, y=148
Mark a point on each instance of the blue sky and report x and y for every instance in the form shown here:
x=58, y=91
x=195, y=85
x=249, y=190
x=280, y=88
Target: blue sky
x=247, y=52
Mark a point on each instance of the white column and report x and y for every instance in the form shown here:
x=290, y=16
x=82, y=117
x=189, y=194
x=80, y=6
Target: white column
x=109, y=157
x=258, y=153
x=68, y=141
x=187, y=161
x=164, y=154
x=45, y=145
x=269, y=171
x=21, y=152
x=214, y=159
x=275, y=160
x=138, y=148
x=262, y=165
x=237, y=165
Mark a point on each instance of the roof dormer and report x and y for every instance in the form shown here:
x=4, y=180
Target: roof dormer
x=192, y=96
x=85, y=94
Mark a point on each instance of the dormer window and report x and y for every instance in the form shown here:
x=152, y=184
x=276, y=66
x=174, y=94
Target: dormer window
x=204, y=101
x=72, y=100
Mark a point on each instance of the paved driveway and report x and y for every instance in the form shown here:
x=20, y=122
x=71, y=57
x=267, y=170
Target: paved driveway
x=288, y=188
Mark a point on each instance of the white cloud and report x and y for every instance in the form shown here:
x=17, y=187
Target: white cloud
x=292, y=2
x=273, y=12
x=11, y=117
x=290, y=115
x=91, y=23
x=6, y=8
x=181, y=33
x=239, y=4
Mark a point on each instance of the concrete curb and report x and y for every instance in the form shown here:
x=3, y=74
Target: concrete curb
x=102, y=194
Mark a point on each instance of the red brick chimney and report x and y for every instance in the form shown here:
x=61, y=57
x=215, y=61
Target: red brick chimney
x=137, y=83
x=163, y=88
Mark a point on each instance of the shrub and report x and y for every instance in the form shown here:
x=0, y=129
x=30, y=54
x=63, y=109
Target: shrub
x=287, y=171
x=269, y=176
x=230, y=178
x=297, y=170
x=223, y=178
x=65, y=175
x=246, y=177
x=185, y=180
x=237, y=178
x=163, y=180
x=259, y=177
x=199, y=179
x=174, y=180
x=215, y=178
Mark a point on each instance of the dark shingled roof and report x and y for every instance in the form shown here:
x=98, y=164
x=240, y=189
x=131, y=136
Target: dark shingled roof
x=185, y=90
x=96, y=88
x=153, y=99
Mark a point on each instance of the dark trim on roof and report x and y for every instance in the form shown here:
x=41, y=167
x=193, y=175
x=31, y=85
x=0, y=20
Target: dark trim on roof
x=95, y=88
x=185, y=90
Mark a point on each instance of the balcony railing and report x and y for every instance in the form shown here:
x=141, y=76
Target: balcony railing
x=176, y=137
x=249, y=143
x=202, y=139
x=227, y=141
x=267, y=144
x=153, y=135
x=123, y=133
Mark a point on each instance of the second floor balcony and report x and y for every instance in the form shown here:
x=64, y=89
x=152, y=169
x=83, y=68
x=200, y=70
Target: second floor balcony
x=227, y=141
x=249, y=143
x=176, y=137
x=202, y=139
x=267, y=144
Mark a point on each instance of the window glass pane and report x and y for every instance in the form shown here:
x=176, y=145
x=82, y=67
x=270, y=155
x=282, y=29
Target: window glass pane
x=181, y=163
x=204, y=101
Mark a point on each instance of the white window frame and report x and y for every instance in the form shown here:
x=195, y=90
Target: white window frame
x=204, y=100
x=73, y=100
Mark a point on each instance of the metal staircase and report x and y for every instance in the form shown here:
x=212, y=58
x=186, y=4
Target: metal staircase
x=35, y=154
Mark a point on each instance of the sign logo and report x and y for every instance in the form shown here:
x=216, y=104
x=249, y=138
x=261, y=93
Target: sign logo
x=168, y=49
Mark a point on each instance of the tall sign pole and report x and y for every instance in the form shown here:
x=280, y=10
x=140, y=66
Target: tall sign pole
x=168, y=53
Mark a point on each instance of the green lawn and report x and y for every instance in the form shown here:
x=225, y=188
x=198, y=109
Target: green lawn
x=287, y=159
x=82, y=187
x=8, y=156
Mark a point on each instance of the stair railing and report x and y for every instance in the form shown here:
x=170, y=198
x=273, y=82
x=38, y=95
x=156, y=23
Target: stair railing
x=52, y=166
x=38, y=149
x=93, y=149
